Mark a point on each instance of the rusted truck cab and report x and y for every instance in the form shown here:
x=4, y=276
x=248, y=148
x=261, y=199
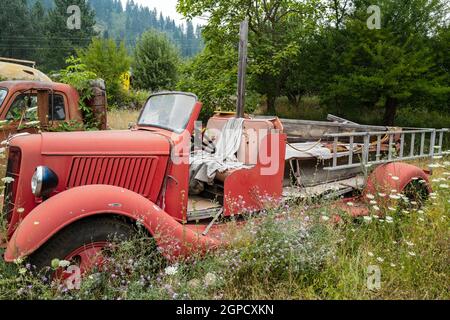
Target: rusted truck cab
x=32, y=106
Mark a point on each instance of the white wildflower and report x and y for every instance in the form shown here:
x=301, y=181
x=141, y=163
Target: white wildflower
x=367, y=218
x=7, y=180
x=171, y=270
x=64, y=263
x=412, y=253
x=210, y=279
x=379, y=259
x=350, y=204
x=370, y=196
x=376, y=208
x=444, y=186
x=370, y=254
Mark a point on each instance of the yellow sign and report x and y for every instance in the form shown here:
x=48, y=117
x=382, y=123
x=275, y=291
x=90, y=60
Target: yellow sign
x=126, y=81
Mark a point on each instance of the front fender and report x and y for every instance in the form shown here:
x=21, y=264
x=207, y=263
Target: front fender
x=63, y=209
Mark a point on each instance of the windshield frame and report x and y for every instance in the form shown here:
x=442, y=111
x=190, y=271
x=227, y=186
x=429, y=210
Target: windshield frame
x=167, y=93
x=6, y=95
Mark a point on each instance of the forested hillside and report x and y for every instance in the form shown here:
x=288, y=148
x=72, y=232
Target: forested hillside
x=35, y=29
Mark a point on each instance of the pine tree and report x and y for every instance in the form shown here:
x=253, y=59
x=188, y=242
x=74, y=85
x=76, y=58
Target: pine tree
x=15, y=29
x=63, y=42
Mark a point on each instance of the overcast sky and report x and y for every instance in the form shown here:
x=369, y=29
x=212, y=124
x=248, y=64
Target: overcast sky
x=167, y=7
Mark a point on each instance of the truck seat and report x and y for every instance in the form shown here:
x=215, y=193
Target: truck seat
x=255, y=130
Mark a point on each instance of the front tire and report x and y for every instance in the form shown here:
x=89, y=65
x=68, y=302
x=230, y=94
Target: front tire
x=83, y=242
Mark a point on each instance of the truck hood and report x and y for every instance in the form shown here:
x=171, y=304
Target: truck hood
x=105, y=143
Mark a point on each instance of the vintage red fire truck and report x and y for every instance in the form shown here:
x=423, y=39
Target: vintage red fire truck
x=69, y=194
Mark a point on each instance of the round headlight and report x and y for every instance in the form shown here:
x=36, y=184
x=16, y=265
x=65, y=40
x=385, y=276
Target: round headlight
x=43, y=182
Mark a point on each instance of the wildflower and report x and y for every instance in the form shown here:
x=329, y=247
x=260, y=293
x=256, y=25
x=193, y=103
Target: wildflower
x=367, y=218
x=420, y=211
x=392, y=209
x=370, y=196
x=64, y=263
x=421, y=219
x=210, y=279
x=382, y=194
x=22, y=270
x=373, y=202
x=393, y=265
x=409, y=243
x=325, y=218
x=370, y=254
x=394, y=196
x=350, y=204
x=171, y=270
x=376, y=208
x=434, y=165
x=412, y=253
x=389, y=219
x=7, y=180
x=194, y=283
x=444, y=186
x=379, y=259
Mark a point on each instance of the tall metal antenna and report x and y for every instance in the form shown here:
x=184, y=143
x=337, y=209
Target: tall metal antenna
x=243, y=45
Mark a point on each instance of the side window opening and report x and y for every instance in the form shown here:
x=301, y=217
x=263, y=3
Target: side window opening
x=23, y=107
x=58, y=111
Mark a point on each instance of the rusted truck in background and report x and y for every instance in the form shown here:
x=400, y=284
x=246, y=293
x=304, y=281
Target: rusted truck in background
x=30, y=101
x=69, y=194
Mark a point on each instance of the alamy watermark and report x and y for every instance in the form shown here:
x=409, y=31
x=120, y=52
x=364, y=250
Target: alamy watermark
x=374, y=21
x=373, y=278
x=74, y=20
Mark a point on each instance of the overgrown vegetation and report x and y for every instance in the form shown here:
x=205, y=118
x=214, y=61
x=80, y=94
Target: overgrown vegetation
x=109, y=61
x=155, y=64
x=301, y=256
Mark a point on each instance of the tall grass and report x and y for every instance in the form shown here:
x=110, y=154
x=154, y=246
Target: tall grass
x=121, y=119
x=295, y=252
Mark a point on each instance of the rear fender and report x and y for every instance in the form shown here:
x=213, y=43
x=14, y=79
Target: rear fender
x=394, y=176
x=60, y=211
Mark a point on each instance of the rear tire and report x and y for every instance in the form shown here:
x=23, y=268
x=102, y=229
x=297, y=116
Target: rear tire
x=82, y=235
